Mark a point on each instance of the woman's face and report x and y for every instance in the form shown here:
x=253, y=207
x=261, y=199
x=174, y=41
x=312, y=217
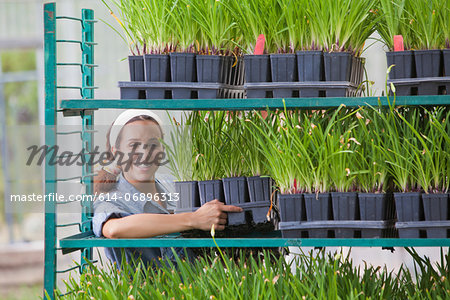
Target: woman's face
x=140, y=145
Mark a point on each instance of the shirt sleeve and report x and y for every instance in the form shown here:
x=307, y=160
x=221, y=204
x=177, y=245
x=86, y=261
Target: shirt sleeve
x=103, y=211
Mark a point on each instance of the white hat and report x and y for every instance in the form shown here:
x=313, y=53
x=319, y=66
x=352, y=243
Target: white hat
x=126, y=116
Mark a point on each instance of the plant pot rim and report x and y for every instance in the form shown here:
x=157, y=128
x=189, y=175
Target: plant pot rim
x=309, y=51
x=290, y=195
x=399, y=52
x=211, y=55
x=211, y=180
x=338, y=53
x=364, y=193
x=135, y=56
x=433, y=194
x=182, y=53
x=343, y=193
x=321, y=193
x=231, y=178
x=185, y=181
x=427, y=50
x=258, y=176
x=407, y=193
x=256, y=55
x=156, y=54
x=281, y=54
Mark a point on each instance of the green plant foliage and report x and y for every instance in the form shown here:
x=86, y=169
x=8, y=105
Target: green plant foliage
x=251, y=18
x=445, y=23
x=373, y=176
x=216, y=25
x=224, y=26
x=370, y=149
x=342, y=25
x=310, y=275
x=232, y=150
x=425, y=21
x=424, y=24
x=179, y=149
x=394, y=21
x=207, y=128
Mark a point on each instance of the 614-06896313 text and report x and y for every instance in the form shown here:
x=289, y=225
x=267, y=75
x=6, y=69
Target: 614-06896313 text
x=56, y=197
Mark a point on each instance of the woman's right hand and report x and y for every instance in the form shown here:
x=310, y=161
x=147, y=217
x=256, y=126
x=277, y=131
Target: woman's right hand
x=213, y=212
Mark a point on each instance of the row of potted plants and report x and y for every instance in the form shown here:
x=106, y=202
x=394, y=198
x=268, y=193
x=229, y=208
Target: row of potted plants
x=296, y=32
x=371, y=151
x=178, y=41
x=218, y=27
x=213, y=157
x=354, y=154
x=424, y=27
x=319, y=38
x=328, y=214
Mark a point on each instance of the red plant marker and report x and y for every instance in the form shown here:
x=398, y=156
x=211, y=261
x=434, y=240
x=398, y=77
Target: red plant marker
x=264, y=114
x=259, y=46
x=398, y=43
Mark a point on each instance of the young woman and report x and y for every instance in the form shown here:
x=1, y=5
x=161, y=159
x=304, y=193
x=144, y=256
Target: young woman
x=130, y=201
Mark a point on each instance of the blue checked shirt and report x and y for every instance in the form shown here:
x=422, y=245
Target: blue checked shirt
x=119, y=203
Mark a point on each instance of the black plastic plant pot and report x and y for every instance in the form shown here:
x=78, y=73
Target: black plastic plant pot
x=318, y=208
x=345, y=208
x=338, y=66
x=375, y=207
x=257, y=68
x=435, y=207
x=259, y=188
x=188, y=194
x=136, y=67
x=182, y=69
x=210, y=190
x=210, y=68
x=428, y=63
x=235, y=190
x=446, y=60
x=291, y=207
x=405, y=66
x=310, y=65
x=409, y=209
x=157, y=69
x=236, y=218
x=283, y=69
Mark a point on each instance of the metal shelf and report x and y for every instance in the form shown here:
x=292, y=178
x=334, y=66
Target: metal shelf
x=87, y=240
x=257, y=103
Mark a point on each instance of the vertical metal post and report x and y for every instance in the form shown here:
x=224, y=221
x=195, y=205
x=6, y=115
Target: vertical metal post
x=50, y=140
x=87, y=39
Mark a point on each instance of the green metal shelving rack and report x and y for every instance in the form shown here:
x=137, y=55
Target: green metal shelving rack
x=85, y=107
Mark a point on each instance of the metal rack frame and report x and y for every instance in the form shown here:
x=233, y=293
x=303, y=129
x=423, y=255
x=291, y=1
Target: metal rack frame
x=84, y=108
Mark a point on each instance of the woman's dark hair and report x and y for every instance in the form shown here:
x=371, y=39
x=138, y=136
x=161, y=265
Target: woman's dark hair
x=105, y=181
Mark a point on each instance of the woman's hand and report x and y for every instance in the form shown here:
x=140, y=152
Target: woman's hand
x=213, y=212
x=148, y=225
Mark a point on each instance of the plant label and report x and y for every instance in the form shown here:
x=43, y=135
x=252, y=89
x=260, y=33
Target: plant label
x=259, y=46
x=398, y=43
